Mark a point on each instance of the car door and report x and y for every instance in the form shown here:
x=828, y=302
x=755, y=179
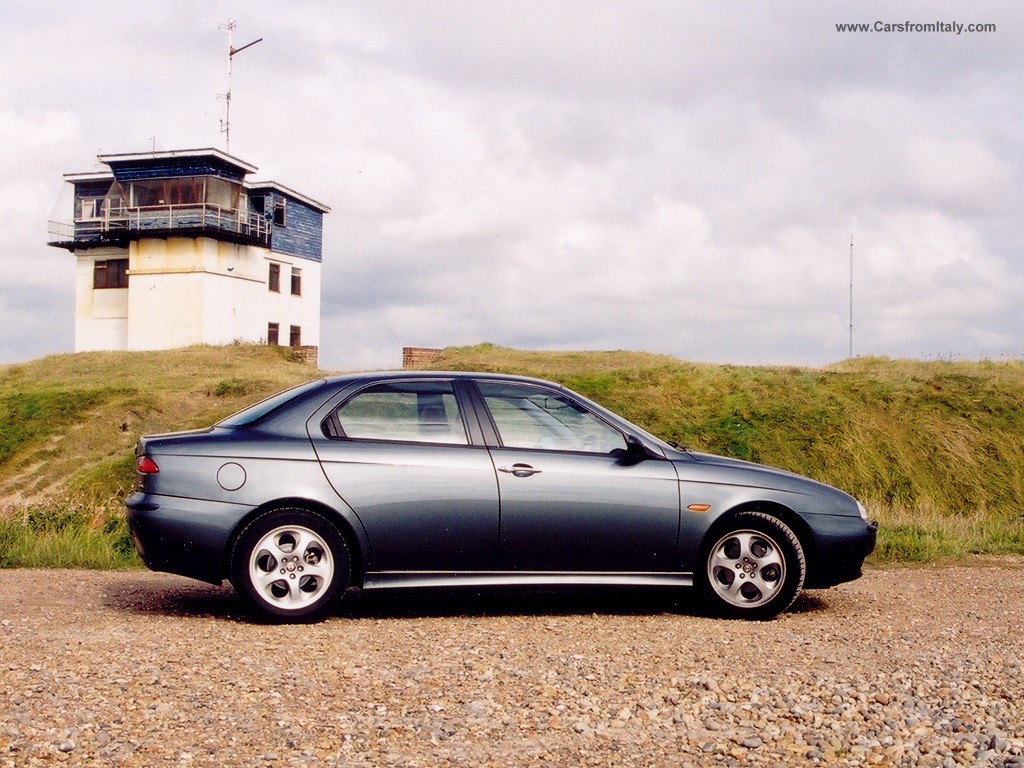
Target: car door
x=398, y=454
x=572, y=497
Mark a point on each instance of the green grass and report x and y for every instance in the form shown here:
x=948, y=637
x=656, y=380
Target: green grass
x=27, y=416
x=919, y=537
x=65, y=535
x=68, y=426
x=69, y=422
x=934, y=449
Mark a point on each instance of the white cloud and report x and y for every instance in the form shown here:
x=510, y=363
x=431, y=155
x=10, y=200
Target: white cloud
x=932, y=284
x=962, y=172
x=682, y=178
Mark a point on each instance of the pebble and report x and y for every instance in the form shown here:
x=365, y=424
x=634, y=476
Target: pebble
x=129, y=669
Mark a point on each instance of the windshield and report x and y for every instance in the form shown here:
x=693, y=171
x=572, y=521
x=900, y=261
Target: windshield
x=256, y=412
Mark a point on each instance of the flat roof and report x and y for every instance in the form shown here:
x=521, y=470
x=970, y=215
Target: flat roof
x=172, y=154
x=89, y=176
x=290, y=193
x=223, y=157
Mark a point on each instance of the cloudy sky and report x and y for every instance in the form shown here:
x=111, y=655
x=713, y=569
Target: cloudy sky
x=674, y=176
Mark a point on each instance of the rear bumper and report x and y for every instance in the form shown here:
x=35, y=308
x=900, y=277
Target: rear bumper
x=842, y=544
x=188, y=537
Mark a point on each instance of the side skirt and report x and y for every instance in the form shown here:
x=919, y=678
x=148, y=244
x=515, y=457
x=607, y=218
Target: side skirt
x=451, y=579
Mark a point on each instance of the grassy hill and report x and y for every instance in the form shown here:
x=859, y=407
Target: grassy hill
x=68, y=426
x=934, y=449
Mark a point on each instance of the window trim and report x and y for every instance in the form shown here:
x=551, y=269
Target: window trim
x=274, y=277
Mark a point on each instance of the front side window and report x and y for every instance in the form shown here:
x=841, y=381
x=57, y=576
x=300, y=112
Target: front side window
x=273, y=333
x=274, y=278
x=415, y=411
x=294, y=336
x=296, y=282
x=535, y=418
x=280, y=211
x=110, y=273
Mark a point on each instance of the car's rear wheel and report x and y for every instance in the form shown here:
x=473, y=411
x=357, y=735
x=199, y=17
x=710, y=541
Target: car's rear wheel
x=290, y=565
x=753, y=566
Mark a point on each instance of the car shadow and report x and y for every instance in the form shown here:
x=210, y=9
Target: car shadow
x=175, y=597
x=514, y=602
x=566, y=602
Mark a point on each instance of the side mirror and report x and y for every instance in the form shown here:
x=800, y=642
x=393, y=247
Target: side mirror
x=634, y=452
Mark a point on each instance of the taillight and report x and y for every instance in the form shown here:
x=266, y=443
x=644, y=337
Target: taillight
x=146, y=466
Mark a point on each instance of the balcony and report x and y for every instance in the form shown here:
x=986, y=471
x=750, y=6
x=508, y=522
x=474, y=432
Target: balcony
x=120, y=225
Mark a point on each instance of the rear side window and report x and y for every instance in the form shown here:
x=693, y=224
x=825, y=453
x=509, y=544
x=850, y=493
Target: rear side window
x=415, y=411
x=254, y=413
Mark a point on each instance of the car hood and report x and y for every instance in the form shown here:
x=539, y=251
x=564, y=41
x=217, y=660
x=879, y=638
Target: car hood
x=694, y=466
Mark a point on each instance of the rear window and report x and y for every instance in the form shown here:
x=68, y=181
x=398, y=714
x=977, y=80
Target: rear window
x=263, y=408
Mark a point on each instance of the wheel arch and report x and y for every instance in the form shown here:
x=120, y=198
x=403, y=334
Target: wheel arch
x=345, y=527
x=785, y=514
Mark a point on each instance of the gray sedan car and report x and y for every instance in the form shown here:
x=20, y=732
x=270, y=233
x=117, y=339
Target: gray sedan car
x=412, y=480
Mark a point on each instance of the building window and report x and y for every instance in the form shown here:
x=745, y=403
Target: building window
x=295, y=336
x=110, y=273
x=279, y=211
x=92, y=207
x=272, y=334
x=296, y=282
x=274, y=280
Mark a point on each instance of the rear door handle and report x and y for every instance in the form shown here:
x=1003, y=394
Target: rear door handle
x=519, y=470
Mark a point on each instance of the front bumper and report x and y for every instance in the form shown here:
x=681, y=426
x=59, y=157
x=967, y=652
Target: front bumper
x=188, y=537
x=842, y=544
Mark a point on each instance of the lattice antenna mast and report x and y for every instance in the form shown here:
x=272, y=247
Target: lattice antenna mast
x=851, y=297
x=225, y=124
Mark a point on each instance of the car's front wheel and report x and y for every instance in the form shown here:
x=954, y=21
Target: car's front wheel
x=753, y=567
x=290, y=565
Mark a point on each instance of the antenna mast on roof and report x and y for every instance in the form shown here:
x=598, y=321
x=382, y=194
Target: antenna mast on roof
x=225, y=124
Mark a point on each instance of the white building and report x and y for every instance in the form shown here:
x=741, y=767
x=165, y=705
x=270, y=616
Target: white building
x=177, y=248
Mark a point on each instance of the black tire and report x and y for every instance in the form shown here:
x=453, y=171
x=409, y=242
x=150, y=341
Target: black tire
x=290, y=565
x=751, y=567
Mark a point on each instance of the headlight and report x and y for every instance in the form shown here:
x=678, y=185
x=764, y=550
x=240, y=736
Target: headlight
x=863, y=512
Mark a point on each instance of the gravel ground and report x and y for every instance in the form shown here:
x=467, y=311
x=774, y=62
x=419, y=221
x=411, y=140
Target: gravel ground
x=907, y=667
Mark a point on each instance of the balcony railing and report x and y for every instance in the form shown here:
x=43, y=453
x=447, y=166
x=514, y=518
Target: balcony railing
x=131, y=223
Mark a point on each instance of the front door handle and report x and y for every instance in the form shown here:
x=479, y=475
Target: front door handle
x=519, y=470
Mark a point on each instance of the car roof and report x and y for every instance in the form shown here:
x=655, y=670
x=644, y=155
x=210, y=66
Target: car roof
x=420, y=374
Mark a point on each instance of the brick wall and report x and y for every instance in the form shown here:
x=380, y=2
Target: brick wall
x=414, y=357
x=307, y=355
